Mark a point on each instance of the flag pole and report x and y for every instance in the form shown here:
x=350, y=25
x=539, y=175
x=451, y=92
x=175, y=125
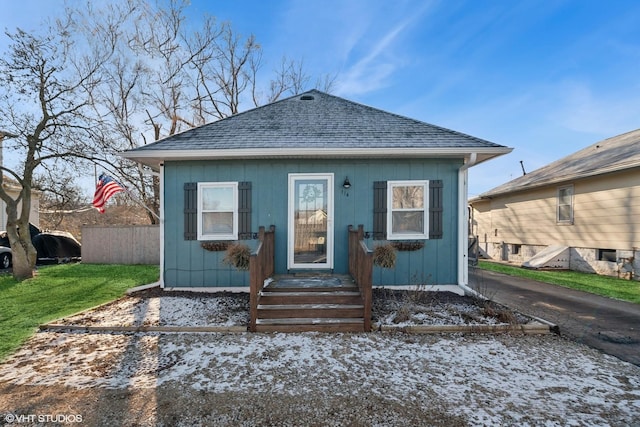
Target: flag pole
x=120, y=188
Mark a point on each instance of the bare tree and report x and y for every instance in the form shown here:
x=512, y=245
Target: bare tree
x=111, y=77
x=60, y=196
x=170, y=75
x=46, y=84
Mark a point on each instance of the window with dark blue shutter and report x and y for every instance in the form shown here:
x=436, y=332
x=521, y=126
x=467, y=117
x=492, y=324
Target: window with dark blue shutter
x=380, y=209
x=191, y=210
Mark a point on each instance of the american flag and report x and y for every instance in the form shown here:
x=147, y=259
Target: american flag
x=105, y=188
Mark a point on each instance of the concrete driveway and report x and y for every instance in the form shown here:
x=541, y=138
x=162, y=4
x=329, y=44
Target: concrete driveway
x=609, y=325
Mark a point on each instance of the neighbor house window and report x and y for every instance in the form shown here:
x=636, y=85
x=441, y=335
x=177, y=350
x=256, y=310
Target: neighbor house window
x=217, y=211
x=407, y=206
x=565, y=205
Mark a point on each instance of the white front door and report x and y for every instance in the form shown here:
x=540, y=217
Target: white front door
x=310, y=236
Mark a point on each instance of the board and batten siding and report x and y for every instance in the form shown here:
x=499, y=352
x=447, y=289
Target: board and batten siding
x=606, y=213
x=188, y=265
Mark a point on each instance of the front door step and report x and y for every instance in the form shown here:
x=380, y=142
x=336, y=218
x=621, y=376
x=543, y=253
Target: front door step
x=323, y=304
x=320, y=297
x=310, y=325
x=327, y=311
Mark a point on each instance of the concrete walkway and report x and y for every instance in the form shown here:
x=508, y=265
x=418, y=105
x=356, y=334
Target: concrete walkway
x=609, y=325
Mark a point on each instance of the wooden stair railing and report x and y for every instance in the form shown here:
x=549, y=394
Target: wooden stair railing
x=261, y=267
x=361, y=269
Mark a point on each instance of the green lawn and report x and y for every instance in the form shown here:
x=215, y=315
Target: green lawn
x=612, y=287
x=59, y=291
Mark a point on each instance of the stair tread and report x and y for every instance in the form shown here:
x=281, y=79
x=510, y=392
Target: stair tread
x=307, y=306
x=311, y=290
x=308, y=321
x=318, y=293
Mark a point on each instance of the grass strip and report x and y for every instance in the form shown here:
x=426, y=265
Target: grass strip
x=59, y=291
x=612, y=287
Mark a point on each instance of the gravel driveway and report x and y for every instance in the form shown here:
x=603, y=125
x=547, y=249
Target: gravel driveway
x=310, y=378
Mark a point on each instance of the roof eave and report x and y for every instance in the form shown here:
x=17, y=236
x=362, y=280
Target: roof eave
x=154, y=158
x=558, y=181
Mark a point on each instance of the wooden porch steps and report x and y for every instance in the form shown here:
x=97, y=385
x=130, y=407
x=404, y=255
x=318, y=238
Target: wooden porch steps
x=310, y=325
x=306, y=309
x=310, y=297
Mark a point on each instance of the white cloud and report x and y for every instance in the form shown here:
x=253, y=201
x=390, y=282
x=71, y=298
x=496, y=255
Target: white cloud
x=360, y=40
x=581, y=108
x=371, y=71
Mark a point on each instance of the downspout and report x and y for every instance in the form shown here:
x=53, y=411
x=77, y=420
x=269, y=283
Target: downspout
x=463, y=225
x=162, y=198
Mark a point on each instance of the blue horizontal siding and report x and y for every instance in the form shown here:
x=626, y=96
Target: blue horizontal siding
x=188, y=265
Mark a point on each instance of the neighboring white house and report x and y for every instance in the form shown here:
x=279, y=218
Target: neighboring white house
x=581, y=212
x=13, y=189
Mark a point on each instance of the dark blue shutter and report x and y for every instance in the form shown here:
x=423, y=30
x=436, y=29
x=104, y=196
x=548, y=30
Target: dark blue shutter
x=190, y=210
x=380, y=210
x=244, y=210
x=435, y=209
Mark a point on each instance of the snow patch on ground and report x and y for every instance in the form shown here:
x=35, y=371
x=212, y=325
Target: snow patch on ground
x=528, y=380
x=229, y=309
x=193, y=310
x=490, y=379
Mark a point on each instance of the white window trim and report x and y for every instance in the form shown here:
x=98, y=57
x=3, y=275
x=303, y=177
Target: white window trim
x=564, y=221
x=234, y=234
x=425, y=220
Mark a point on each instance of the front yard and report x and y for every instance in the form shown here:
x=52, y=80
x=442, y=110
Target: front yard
x=60, y=290
x=300, y=379
x=161, y=379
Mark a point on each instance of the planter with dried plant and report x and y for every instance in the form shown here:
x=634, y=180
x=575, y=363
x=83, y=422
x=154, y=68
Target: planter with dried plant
x=408, y=246
x=384, y=256
x=237, y=255
x=215, y=246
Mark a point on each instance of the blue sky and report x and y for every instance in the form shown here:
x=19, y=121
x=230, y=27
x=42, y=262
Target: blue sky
x=544, y=77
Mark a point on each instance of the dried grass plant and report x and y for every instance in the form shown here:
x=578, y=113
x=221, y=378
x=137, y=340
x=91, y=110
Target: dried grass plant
x=238, y=255
x=385, y=256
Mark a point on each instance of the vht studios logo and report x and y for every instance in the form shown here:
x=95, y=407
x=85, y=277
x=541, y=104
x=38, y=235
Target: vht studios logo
x=40, y=418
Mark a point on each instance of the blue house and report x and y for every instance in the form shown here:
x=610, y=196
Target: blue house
x=312, y=165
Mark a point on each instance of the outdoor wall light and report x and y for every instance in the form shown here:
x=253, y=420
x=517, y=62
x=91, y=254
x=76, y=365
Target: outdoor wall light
x=346, y=184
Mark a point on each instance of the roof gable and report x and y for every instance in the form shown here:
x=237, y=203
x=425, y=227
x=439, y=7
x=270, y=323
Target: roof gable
x=613, y=154
x=313, y=120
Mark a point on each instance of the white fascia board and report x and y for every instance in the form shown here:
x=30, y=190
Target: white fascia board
x=158, y=156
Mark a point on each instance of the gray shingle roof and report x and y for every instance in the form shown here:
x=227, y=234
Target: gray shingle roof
x=613, y=154
x=316, y=120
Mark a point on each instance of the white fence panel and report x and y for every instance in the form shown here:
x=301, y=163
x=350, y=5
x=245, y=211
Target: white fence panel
x=122, y=244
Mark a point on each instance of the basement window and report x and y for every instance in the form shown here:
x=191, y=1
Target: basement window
x=606, y=255
x=515, y=249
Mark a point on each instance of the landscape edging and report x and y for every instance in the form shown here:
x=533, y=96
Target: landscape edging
x=529, y=329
